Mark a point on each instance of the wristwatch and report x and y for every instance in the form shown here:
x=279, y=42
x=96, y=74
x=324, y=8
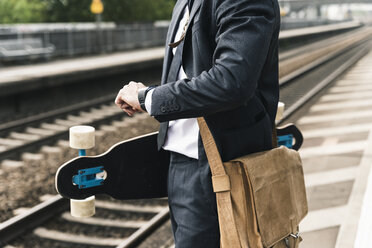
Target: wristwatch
x=142, y=96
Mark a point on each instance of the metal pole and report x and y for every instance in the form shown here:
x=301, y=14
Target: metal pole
x=99, y=32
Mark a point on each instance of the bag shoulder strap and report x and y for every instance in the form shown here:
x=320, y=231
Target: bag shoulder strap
x=210, y=148
x=221, y=186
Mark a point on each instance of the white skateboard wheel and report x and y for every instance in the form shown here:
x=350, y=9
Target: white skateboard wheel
x=280, y=112
x=82, y=137
x=83, y=208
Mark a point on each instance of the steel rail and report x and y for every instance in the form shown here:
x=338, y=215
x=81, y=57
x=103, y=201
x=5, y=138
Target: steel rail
x=35, y=119
x=17, y=225
x=318, y=62
x=141, y=234
x=45, y=140
x=323, y=84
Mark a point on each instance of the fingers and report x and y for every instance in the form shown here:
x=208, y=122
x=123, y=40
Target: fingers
x=123, y=105
x=141, y=85
x=118, y=100
x=127, y=98
x=138, y=85
x=128, y=109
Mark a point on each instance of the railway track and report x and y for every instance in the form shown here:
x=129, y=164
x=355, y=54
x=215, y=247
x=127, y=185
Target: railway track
x=117, y=224
x=308, y=75
x=32, y=132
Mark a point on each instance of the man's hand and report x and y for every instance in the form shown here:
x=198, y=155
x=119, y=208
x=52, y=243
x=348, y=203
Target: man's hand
x=127, y=98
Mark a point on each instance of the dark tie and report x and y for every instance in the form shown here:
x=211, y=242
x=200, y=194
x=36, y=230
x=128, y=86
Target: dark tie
x=172, y=77
x=176, y=64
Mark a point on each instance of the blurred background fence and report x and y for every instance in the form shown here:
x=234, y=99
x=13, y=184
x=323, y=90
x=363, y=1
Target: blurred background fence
x=77, y=39
x=74, y=39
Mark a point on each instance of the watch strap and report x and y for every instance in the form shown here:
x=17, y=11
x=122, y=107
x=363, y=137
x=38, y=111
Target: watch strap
x=142, y=96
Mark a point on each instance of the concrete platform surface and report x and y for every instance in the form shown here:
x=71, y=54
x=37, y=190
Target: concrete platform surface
x=337, y=156
x=27, y=77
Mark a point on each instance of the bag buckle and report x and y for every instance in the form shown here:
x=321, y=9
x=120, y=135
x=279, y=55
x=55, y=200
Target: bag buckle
x=295, y=236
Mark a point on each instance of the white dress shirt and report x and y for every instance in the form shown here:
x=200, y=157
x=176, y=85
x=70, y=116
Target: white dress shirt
x=182, y=135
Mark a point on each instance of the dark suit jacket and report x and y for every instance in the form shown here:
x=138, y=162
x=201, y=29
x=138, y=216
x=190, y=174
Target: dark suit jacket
x=230, y=58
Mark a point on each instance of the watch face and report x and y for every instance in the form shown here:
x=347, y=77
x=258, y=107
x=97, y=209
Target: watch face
x=141, y=98
x=142, y=90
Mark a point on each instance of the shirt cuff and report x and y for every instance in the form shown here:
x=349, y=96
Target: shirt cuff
x=148, y=101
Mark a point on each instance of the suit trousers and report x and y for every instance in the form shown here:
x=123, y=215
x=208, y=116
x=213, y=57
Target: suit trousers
x=192, y=203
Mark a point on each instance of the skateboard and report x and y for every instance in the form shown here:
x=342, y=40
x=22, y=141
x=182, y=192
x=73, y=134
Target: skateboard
x=132, y=169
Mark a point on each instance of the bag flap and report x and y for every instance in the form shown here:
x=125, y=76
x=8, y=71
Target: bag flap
x=279, y=193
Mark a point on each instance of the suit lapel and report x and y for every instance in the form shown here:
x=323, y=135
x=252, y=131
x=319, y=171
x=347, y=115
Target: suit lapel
x=176, y=17
x=178, y=8
x=194, y=10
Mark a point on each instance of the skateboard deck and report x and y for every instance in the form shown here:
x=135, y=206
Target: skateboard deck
x=132, y=169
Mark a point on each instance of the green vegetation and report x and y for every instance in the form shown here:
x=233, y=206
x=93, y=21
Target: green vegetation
x=68, y=11
x=31, y=11
x=21, y=11
x=137, y=10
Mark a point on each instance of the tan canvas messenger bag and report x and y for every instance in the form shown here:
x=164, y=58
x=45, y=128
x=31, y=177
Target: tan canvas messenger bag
x=261, y=197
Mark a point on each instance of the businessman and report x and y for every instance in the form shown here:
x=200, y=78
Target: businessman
x=221, y=62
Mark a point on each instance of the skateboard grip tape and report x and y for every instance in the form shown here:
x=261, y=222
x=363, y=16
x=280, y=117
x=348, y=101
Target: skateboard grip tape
x=82, y=137
x=83, y=208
